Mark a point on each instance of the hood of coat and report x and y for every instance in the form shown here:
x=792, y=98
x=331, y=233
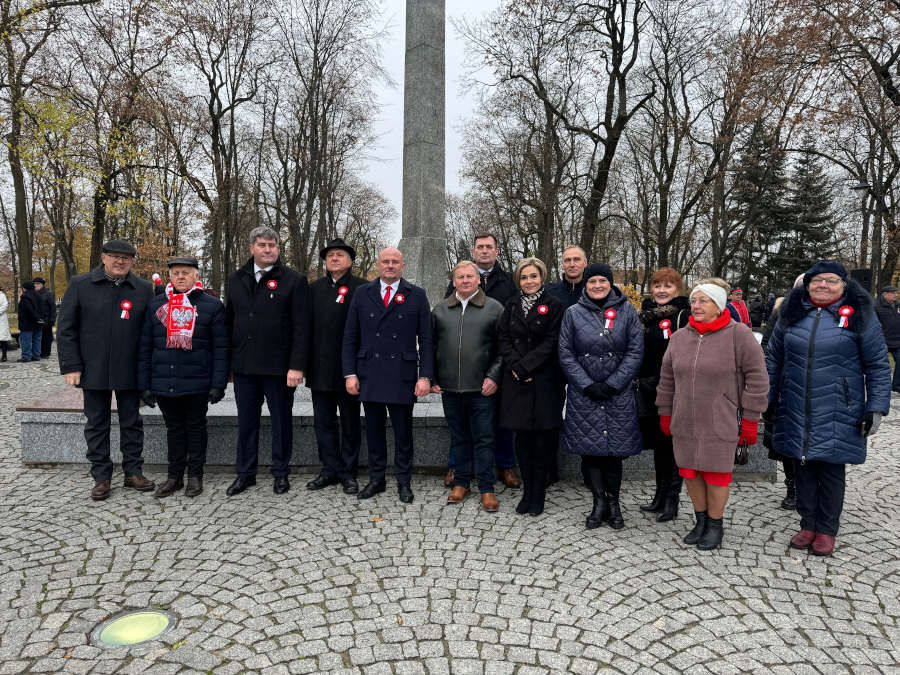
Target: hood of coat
x=798, y=304
x=618, y=297
x=478, y=299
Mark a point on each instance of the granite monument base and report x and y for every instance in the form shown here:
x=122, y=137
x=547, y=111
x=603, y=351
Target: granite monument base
x=53, y=433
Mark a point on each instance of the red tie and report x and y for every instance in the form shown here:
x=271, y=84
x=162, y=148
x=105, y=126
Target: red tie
x=387, y=296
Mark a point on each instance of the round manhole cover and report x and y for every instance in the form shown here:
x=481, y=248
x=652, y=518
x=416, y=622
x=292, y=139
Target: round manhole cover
x=131, y=628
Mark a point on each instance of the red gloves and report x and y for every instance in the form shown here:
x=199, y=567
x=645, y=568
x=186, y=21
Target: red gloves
x=749, y=431
x=665, y=421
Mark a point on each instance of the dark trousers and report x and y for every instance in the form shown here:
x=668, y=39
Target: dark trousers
x=895, y=383
x=185, y=418
x=97, y=404
x=604, y=476
x=338, y=443
x=663, y=452
x=820, y=496
x=249, y=391
x=4, y=346
x=536, y=450
x=504, y=450
x=471, y=420
x=46, y=341
x=376, y=438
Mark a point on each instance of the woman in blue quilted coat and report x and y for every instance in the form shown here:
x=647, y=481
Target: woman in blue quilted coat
x=830, y=385
x=601, y=345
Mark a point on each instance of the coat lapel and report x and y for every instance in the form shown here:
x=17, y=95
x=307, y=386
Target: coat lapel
x=374, y=291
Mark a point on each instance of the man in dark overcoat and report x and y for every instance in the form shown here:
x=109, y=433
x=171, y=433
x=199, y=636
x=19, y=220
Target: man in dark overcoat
x=388, y=360
x=50, y=315
x=32, y=313
x=338, y=443
x=887, y=309
x=498, y=285
x=183, y=366
x=269, y=312
x=98, y=337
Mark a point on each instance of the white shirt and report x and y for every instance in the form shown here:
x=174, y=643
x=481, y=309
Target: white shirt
x=465, y=301
x=392, y=286
x=259, y=271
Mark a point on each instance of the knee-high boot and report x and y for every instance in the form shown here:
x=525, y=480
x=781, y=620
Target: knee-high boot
x=544, y=451
x=612, y=479
x=663, y=478
x=595, y=480
x=673, y=495
x=525, y=452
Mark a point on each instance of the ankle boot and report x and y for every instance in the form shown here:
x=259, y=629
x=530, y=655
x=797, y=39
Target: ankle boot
x=537, y=502
x=789, y=503
x=524, y=505
x=673, y=496
x=712, y=535
x=659, y=497
x=614, y=513
x=694, y=535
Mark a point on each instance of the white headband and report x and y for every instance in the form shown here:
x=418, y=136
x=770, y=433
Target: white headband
x=715, y=293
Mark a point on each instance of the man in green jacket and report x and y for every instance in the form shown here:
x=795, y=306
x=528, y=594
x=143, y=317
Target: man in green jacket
x=467, y=370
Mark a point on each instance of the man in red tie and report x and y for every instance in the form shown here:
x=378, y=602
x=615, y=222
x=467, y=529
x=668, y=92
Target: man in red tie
x=388, y=360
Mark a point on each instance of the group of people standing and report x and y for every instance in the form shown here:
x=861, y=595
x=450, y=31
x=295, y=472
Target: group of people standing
x=37, y=316
x=508, y=353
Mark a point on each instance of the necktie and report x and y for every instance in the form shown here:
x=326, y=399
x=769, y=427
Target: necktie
x=387, y=296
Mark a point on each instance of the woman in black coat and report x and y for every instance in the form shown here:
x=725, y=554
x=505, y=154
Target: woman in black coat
x=532, y=396
x=661, y=315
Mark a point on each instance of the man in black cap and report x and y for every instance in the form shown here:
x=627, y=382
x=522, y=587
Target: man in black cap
x=887, y=309
x=31, y=322
x=269, y=316
x=331, y=296
x=183, y=365
x=49, y=315
x=98, y=336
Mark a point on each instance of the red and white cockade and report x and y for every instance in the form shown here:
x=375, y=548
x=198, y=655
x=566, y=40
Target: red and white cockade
x=610, y=315
x=399, y=298
x=845, y=313
x=272, y=284
x=543, y=309
x=665, y=325
x=126, y=305
x=342, y=291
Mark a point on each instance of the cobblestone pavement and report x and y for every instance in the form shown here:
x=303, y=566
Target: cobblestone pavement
x=305, y=583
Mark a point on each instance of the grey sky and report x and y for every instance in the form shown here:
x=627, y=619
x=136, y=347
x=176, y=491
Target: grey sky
x=387, y=170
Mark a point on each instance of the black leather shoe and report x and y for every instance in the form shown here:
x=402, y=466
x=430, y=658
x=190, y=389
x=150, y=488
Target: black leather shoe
x=370, y=490
x=614, y=517
x=351, y=487
x=320, y=482
x=240, y=484
x=406, y=494
x=282, y=485
x=712, y=535
x=699, y=527
x=596, y=516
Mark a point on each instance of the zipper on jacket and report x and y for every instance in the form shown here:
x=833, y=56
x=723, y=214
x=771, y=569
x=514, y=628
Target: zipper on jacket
x=809, y=358
x=693, y=407
x=462, y=319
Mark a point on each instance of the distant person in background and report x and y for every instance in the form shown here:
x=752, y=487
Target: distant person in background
x=50, y=320
x=5, y=335
x=738, y=308
x=770, y=305
x=757, y=311
x=887, y=309
x=32, y=311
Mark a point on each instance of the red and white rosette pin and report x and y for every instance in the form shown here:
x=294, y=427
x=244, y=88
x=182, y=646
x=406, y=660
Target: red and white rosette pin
x=610, y=315
x=272, y=284
x=845, y=313
x=400, y=298
x=543, y=309
x=126, y=305
x=342, y=292
x=665, y=325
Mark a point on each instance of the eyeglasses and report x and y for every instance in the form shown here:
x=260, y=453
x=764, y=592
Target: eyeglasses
x=830, y=281
x=703, y=302
x=119, y=258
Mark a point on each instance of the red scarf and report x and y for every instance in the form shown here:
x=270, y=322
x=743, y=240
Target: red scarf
x=179, y=317
x=704, y=328
x=825, y=304
x=741, y=308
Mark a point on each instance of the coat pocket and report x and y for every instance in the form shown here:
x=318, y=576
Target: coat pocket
x=410, y=368
x=724, y=419
x=846, y=390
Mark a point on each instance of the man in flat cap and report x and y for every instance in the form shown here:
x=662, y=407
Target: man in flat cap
x=98, y=336
x=887, y=309
x=183, y=366
x=338, y=444
x=269, y=316
x=49, y=315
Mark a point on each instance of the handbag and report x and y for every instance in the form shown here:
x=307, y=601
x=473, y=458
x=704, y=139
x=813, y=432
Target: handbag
x=742, y=452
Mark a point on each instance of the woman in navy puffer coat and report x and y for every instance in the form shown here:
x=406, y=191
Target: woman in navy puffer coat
x=601, y=345
x=830, y=384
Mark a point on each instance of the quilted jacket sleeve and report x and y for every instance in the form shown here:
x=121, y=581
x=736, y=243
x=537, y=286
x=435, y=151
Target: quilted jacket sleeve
x=876, y=368
x=221, y=348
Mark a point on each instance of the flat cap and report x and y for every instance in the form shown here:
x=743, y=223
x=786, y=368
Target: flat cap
x=28, y=285
x=119, y=246
x=38, y=280
x=889, y=289
x=190, y=262
x=338, y=243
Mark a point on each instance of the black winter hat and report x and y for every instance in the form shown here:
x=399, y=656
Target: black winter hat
x=598, y=270
x=825, y=267
x=38, y=280
x=28, y=285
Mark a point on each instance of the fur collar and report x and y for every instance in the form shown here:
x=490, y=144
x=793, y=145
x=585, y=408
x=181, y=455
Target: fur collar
x=679, y=301
x=797, y=305
x=478, y=299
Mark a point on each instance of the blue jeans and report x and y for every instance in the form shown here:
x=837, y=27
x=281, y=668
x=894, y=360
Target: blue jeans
x=471, y=419
x=30, y=341
x=504, y=451
x=895, y=384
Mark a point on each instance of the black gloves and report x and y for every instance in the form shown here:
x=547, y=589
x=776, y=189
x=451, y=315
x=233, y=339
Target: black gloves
x=869, y=423
x=148, y=398
x=216, y=395
x=769, y=415
x=599, y=391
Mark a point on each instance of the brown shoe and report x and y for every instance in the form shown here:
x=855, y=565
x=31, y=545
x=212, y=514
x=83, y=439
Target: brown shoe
x=449, y=479
x=509, y=478
x=170, y=487
x=823, y=544
x=139, y=483
x=101, y=490
x=489, y=502
x=457, y=494
x=194, y=487
x=803, y=539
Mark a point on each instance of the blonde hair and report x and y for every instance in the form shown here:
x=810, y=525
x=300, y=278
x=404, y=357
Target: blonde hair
x=531, y=262
x=464, y=263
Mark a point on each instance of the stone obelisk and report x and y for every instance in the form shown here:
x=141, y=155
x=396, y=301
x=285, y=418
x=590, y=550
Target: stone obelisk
x=424, y=240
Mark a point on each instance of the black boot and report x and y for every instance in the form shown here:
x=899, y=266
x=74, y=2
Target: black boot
x=712, y=535
x=612, y=478
x=525, y=457
x=673, y=496
x=659, y=496
x=789, y=503
x=694, y=535
x=544, y=460
x=599, y=513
